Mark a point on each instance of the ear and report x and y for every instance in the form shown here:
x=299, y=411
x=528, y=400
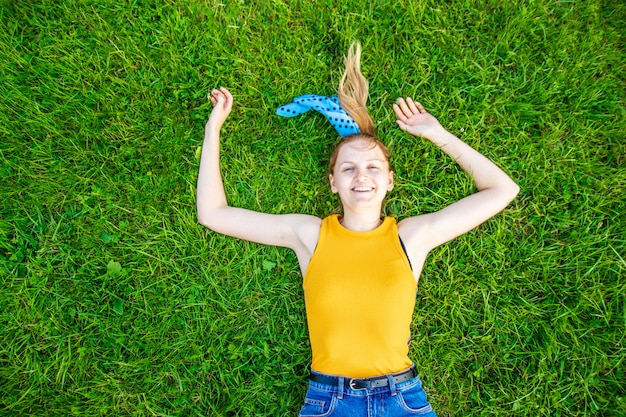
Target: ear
x=391, y=181
x=331, y=180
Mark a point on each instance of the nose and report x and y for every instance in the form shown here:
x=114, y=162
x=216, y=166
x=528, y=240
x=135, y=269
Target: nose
x=361, y=175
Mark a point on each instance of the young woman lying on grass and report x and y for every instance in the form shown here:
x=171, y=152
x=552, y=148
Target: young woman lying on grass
x=360, y=270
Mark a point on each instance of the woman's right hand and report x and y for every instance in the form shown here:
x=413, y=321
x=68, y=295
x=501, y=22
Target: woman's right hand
x=222, y=105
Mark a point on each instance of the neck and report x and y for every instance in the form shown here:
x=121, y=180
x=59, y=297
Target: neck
x=361, y=222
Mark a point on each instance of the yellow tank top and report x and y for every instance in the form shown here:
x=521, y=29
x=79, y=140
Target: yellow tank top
x=359, y=293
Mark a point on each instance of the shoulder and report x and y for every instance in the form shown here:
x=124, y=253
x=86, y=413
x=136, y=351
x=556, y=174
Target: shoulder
x=307, y=229
x=416, y=232
x=413, y=225
x=304, y=222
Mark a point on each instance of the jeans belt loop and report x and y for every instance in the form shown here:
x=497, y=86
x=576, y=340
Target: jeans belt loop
x=392, y=385
x=340, y=383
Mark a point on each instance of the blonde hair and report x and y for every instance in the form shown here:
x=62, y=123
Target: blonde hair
x=353, y=94
x=354, y=91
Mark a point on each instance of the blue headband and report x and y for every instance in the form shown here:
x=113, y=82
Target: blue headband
x=328, y=106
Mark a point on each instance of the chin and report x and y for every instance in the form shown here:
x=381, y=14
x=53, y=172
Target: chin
x=363, y=203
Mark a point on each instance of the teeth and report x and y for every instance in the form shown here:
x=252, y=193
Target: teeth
x=363, y=188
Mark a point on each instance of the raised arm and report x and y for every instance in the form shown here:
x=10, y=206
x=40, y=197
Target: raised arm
x=290, y=230
x=495, y=188
x=210, y=194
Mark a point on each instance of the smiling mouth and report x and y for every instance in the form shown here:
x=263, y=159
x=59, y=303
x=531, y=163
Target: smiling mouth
x=363, y=189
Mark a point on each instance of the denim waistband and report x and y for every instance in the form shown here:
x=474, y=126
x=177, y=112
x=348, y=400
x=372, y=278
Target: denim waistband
x=365, y=383
x=357, y=387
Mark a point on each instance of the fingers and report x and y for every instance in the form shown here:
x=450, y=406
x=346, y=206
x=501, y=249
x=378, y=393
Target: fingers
x=216, y=95
x=414, y=106
x=411, y=105
x=398, y=111
x=402, y=125
x=212, y=96
x=404, y=109
x=227, y=94
x=419, y=107
x=222, y=96
x=407, y=108
x=229, y=97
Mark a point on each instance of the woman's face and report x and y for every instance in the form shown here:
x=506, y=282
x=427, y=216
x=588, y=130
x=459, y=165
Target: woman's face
x=361, y=175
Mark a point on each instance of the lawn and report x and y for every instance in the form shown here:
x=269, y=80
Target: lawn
x=115, y=301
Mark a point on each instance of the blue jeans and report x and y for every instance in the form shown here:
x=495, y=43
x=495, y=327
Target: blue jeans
x=395, y=400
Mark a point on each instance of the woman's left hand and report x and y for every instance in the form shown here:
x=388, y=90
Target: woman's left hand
x=413, y=118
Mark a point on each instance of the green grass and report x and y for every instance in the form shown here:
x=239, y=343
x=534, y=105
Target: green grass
x=114, y=301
